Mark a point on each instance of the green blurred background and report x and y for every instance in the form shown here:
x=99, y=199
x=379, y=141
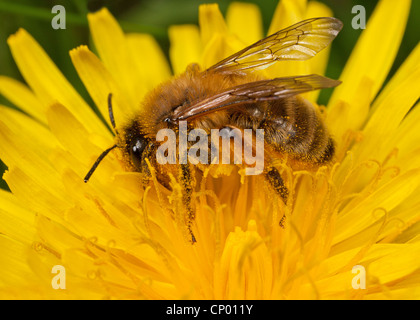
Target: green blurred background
x=154, y=17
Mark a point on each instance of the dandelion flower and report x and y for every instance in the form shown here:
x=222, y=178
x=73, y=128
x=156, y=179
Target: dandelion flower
x=116, y=240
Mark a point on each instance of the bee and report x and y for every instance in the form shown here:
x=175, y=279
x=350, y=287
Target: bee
x=229, y=96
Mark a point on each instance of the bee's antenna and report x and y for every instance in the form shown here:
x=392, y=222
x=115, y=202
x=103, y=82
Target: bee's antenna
x=111, y=113
x=95, y=165
x=103, y=154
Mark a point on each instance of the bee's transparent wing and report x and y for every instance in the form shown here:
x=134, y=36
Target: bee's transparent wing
x=252, y=92
x=300, y=41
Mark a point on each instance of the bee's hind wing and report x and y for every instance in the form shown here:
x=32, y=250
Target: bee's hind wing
x=253, y=92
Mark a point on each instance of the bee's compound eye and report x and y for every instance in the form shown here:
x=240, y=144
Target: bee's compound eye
x=136, y=150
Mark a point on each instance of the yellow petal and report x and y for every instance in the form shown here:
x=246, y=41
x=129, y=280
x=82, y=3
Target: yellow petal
x=383, y=263
x=15, y=221
x=408, y=133
x=111, y=45
x=389, y=114
x=220, y=46
x=46, y=80
x=37, y=193
x=374, y=53
x=412, y=292
x=14, y=266
x=149, y=61
x=361, y=214
x=406, y=69
x=244, y=20
x=288, y=12
x=185, y=47
x=31, y=176
x=32, y=192
x=398, y=261
x=27, y=144
x=218, y=43
x=58, y=119
x=38, y=135
x=342, y=117
x=21, y=96
x=395, y=103
x=211, y=22
x=100, y=83
x=404, y=223
x=318, y=64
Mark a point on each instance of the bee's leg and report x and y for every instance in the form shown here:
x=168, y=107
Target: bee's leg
x=276, y=181
x=273, y=176
x=186, y=180
x=145, y=170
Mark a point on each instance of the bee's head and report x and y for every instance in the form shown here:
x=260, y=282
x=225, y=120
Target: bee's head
x=133, y=142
